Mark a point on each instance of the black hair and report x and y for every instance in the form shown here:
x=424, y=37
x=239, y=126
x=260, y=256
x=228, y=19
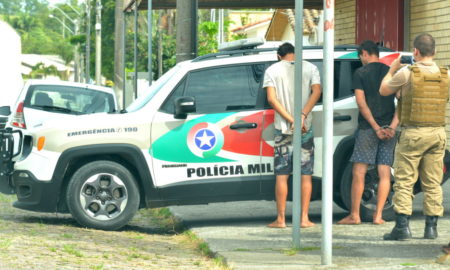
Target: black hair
x=285, y=48
x=370, y=47
x=425, y=44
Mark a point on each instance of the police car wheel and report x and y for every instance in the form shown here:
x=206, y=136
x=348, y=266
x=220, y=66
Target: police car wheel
x=369, y=197
x=103, y=195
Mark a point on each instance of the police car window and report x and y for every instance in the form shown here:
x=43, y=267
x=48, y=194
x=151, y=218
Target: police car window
x=343, y=74
x=169, y=105
x=344, y=77
x=232, y=88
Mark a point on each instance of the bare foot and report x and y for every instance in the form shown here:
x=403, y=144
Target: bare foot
x=277, y=224
x=307, y=224
x=378, y=221
x=350, y=220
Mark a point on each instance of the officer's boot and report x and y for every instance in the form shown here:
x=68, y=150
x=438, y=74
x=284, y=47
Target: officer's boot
x=430, y=227
x=401, y=230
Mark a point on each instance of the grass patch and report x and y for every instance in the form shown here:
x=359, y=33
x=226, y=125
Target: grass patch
x=97, y=267
x=135, y=235
x=67, y=235
x=7, y=198
x=294, y=251
x=163, y=218
x=204, y=249
x=5, y=244
x=136, y=255
x=71, y=249
x=163, y=212
x=408, y=264
x=242, y=249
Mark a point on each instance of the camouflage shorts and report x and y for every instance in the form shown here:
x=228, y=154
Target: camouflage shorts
x=283, y=153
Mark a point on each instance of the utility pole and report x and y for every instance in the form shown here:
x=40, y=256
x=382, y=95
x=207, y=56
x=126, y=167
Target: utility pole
x=98, y=43
x=63, y=30
x=76, y=56
x=88, y=41
x=186, y=29
x=75, y=23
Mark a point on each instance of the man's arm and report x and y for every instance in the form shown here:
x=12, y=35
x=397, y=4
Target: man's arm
x=385, y=90
x=276, y=105
x=313, y=98
x=366, y=113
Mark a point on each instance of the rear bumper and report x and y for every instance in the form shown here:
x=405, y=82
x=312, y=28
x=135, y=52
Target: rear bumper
x=33, y=194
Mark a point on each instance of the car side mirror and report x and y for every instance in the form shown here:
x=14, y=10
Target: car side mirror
x=5, y=110
x=183, y=106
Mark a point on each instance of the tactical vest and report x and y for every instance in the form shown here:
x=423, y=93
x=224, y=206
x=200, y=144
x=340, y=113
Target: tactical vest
x=424, y=105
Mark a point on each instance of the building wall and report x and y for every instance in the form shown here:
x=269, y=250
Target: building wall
x=431, y=16
x=345, y=22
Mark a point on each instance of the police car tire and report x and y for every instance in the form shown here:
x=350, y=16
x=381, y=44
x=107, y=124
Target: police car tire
x=81, y=176
x=366, y=208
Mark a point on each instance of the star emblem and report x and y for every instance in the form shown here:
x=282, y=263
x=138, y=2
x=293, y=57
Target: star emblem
x=205, y=139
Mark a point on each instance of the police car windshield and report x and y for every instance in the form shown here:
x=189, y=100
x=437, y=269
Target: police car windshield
x=152, y=90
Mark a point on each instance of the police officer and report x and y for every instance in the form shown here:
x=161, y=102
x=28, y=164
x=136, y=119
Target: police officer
x=423, y=90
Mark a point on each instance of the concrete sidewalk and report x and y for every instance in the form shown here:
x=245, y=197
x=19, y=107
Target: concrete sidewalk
x=246, y=243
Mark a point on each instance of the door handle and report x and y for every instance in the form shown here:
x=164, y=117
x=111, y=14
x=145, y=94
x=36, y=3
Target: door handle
x=244, y=125
x=342, y=118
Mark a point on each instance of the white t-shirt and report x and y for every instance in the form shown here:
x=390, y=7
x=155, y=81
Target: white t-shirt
x=281, y=76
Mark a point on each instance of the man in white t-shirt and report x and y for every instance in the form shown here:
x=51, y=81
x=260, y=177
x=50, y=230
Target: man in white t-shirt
x=279, y=82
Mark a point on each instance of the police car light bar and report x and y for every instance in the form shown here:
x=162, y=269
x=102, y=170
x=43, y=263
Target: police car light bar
x=242, y=44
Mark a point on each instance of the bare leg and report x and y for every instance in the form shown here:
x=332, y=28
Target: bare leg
x=384, y=172
x=306, y=198
x=359, y=174
x=281, y=191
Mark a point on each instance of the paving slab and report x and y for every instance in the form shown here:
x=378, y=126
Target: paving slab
x=237, y=231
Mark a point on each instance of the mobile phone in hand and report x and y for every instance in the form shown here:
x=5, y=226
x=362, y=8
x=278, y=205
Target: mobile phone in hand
x=407, y=59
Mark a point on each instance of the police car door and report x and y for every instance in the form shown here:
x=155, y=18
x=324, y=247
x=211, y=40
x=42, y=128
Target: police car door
x=216, y=150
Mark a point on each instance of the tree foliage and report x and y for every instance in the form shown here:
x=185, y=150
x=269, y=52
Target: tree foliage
x=39, y=33
x=40, y=70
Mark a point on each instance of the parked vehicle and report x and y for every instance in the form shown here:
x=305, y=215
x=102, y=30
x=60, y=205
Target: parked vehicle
x=10, y=70
x=42, y=100
x=202, y=133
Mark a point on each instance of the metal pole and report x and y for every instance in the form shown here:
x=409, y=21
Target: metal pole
x=150, y=45
x=135, y=49
x=221, y=26
x=64, y=31
x=194, y=26
x=75, y=22
x=186, y=29
x=88, y=41
x=297, y=173
x=124, y=57
x=327, y=155
x=64, y=26
x=65, y=15
x=76, y=57
x=98, y=43
x=76, y=11
x=213, y=15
